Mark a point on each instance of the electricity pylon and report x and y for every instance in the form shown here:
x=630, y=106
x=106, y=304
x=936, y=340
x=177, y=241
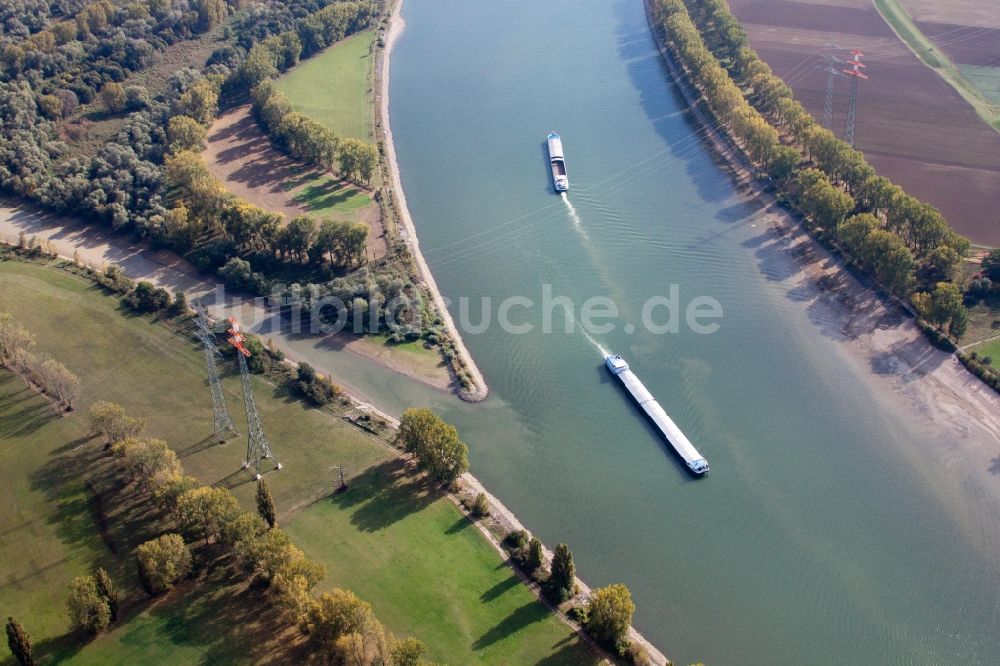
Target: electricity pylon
x=223, y=421
x=832, y=72
x=257, y=446
x=852, y=110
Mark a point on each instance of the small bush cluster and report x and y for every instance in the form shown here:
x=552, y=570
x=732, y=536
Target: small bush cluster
x=982, y=367
x=316, y=388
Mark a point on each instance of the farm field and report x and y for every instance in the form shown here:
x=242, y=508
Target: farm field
x=333, y=87
x=912, y=126
x=968, y=31
x=49, y=537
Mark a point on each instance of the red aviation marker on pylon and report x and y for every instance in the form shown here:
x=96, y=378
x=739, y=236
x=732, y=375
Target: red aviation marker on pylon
x=236, y=337
x=856, y=65
x=852, y=109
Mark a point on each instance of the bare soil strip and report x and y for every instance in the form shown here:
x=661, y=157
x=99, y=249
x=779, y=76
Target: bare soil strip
x=241, y=156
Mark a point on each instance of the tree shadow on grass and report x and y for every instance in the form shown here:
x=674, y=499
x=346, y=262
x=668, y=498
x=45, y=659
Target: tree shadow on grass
x=326, y=195
x=204, y=444
x=29, y=419
x=61, y=480
x=523, y=617
x=462, y=523
x=60, y=648
x=500, y=588
x=221, y=615
x=385, y=494
x=570, y=651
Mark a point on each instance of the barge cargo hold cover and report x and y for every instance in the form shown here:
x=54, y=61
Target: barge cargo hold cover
x=685, y=449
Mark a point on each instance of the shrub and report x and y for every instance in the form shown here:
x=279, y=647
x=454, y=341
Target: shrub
x=147, y=298
x=318, y=390
x=481, y=506
x=516, y=540
x=578, y=614
x=637, y=654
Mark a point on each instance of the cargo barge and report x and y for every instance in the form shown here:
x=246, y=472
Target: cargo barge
x=682, y=445
x=559, y=178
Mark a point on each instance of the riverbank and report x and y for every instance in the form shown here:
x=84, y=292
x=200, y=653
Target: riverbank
x=502, y=520
x=880, y=336
x=397, y=202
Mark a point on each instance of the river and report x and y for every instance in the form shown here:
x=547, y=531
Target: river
x=828, y=531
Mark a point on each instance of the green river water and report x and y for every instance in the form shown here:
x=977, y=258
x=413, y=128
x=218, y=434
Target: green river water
x=829, y=531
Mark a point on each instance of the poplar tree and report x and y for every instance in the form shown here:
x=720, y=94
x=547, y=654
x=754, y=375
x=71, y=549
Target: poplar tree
x=533, y=560
x=265, y=504
x=562, y=579
x=107, y=590
x=19, y=642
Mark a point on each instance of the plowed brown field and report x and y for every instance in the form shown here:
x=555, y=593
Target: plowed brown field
x=912, y=126
x=968, y=31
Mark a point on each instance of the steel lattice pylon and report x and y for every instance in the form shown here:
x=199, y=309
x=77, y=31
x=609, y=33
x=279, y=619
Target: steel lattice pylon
x=257, y=446
x=223, y=421
x=852, y=109
x=831, y=73
x=852, y=113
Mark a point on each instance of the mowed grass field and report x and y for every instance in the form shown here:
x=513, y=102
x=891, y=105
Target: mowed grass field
x=322, y=196
x=400, y=546
x=333, y=87
x=991, y=349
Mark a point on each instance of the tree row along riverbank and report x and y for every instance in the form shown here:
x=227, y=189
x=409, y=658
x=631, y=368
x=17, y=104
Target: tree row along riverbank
x=903, y=245
x=494, y=521
x=145, y=176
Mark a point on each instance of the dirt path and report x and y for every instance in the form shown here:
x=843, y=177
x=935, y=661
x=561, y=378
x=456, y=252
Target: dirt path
x=241, y=156
x=98, y=247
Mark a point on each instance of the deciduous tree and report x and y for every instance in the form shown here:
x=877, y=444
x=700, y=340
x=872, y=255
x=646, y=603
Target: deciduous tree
x=112, y=423
x=186, y=133
x=113, y=97
x=991, y=265
x=407, y=652
x=204, y=511
x=610, y=614
x=87, y=608
x=162, y=562
x=335, y=614
x=434, y=444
